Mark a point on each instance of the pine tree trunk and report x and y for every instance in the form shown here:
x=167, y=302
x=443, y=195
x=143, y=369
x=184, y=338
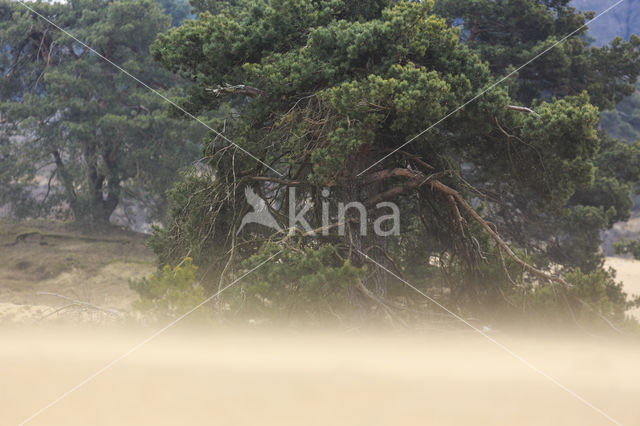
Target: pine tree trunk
x=373, y=245
x=101, y=204
x=67, y=183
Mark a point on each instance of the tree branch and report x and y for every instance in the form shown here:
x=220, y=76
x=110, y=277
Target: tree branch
x=67, y=182
x=275, y=180
x=439, y=186
x=417, y=179
x=523, y=109
x=53, y=173
x=80, y=303
x=240, y=89
x=389, y=173
x=386, y=308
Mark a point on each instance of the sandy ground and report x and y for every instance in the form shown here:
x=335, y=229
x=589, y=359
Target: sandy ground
x=39, y=257
x=252, y=377
x=627, y=271
x=108, y=288
x=320, y=378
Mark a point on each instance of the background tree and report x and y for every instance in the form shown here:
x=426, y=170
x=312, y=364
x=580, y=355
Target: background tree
x=623, y=21
x=507, y=34
x=93, y=134
x=179, y=10
x=623, y=123
x=336, y=86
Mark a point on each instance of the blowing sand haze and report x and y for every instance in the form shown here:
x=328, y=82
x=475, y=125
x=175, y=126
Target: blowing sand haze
x=320, y=378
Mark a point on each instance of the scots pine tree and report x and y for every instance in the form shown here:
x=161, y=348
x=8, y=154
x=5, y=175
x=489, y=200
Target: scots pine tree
x=76, y=124
x=327, y=93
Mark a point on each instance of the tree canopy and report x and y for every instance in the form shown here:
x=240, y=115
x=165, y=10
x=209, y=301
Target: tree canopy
x=325, y=89
x=622, y=21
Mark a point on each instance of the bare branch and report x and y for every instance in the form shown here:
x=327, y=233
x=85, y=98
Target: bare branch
x=389, y=173
x=417, y=179
x=276, y=180
x=386, y=308
x=240, y=89
x=80, y=303
x=53, y=173
x=437, y=185
x=523, y=109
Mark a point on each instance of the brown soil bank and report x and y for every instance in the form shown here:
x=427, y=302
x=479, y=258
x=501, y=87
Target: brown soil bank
x=47, y=257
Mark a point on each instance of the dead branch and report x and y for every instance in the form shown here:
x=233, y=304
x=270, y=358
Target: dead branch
x=62, y=308
x=389, y=173
x=386, y=255
x=456, y=212
x=598, y=314
x=460, y=222
x=53, y=173
x=300, y=232
x=439, y=186
x=240, y=89
x=276, y=180
x=75, y=302
x=417, y=179
x=505, y=269
x=387, y=309
x=412, y=157
x=523, y=109
x=393, y=192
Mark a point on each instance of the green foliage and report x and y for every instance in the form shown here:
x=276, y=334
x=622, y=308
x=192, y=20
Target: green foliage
x=592, y=300
x=179, y=10
x=311, y=281
x=628, y=247
x=621, y=21
x=170, y=292
x=509, y=33
x=624, y=122
x=340, y=86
